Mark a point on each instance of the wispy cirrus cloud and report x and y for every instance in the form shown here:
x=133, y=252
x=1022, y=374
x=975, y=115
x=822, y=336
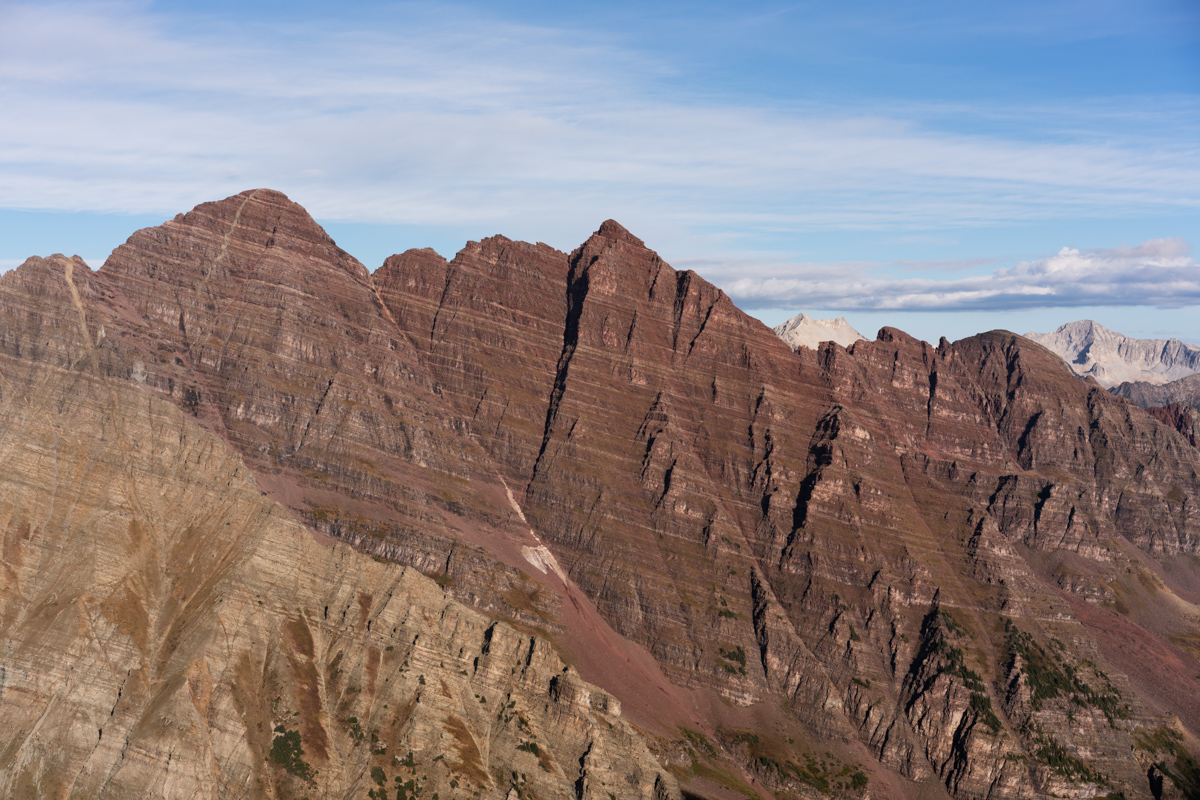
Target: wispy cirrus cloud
x=442, y=119
x=1159, y=272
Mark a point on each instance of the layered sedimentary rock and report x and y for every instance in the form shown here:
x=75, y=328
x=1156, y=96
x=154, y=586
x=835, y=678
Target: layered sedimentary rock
x=1174, y=404
x=168, y=630
x=1184, y=419
x=1185, y=391
x=890, y=570
x=248, y=316
x=771, y=524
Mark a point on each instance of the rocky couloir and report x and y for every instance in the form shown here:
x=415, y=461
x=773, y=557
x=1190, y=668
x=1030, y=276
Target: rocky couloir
x=889, y=570
x=169, y=630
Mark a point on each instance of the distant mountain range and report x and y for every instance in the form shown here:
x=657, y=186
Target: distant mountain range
x=805, y=331
x=1185, y=391
x=1092, y=350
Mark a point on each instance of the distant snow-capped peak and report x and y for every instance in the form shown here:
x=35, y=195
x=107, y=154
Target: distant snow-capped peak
x=805, y=331
x=1092, y=350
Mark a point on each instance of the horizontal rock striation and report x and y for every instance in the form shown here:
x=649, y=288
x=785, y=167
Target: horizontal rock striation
x=1185, y=419
x=170, y=631
x=1185, y=391
x=888, y=570
x=720, y=496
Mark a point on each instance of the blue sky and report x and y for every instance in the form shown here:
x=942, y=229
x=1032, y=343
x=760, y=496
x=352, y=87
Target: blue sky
x=945, y=167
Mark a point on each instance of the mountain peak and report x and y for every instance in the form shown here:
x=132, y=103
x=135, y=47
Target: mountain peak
x=611, y=229
x=1092, y=350
x=229, y=450
x=232, y=238
x=805, y=331
x=263, y=195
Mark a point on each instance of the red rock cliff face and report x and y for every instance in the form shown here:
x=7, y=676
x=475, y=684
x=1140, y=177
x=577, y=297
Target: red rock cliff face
x=290, y=349
x=489, y=325
x=717, y=494
x=634, y=409
x=249, y=316
x=1182, y=418
x=932, y=560
x=168, y=631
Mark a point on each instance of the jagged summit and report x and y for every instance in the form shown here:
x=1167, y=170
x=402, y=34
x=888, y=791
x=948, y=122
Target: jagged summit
x=611, y=229
x=256, y=232
x=1185, y=391
x=805, y=331
x=663, y=555
x=1092, y=350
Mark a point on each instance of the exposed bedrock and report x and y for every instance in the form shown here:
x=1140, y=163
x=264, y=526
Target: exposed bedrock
x=168, y=630
x=894, y=569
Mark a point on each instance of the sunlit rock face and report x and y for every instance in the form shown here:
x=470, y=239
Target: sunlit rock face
x=169, y=630
x=661, y=548
x=805, y=331
x=1093, y=351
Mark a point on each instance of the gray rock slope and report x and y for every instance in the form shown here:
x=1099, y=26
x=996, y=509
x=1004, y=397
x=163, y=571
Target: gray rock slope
x=1092, y=350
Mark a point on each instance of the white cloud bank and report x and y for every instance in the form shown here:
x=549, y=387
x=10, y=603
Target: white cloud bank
x=449, y=121
x=1159, y=272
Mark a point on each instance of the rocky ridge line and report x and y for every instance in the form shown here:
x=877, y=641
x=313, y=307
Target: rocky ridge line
x=1091, y=350
x=170, y=631
x=805, y=331
x=851, y=537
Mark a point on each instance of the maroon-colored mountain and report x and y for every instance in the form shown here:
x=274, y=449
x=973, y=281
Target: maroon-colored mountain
x=894, y=570
x=1184, y=419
